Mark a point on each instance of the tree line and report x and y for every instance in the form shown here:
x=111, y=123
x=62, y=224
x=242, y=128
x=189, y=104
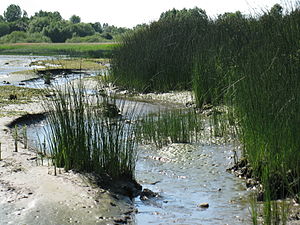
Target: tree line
x=43, y=26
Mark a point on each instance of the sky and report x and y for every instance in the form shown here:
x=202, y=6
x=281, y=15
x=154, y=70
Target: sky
x=129, y=13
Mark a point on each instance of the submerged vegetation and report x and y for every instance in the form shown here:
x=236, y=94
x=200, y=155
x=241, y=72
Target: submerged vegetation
x=251, y=64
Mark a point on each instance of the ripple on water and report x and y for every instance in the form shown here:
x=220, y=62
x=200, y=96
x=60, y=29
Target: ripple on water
x=196, y=174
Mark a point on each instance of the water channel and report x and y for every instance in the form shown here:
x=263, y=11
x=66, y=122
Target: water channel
x=184, y=176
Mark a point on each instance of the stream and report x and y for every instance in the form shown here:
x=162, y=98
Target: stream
x=183, y=175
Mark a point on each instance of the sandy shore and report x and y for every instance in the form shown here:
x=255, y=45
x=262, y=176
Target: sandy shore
x=17, y=78
x=31, y=194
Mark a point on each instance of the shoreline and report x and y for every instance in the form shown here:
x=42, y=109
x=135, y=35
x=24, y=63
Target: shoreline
x=30, y=193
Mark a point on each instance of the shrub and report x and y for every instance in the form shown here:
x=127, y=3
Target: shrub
x=23, y=37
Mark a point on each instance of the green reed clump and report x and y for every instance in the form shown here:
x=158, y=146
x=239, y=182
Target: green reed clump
x=157, y=57
x=267, y=101
x=83, y=139
x=251, y=64
x=175, y=126
x=261, y=82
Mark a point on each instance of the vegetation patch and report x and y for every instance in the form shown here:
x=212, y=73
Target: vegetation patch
x=73, y=63
x=250, y=64
x=175, y=126
x=82, y=138
x=99, y=50
x=18, y=95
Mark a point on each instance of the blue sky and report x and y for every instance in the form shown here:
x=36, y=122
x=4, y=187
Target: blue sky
x=128, y=13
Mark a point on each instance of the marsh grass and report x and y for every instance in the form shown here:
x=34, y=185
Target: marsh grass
x=83, y=139
x=249, y=63
x=16, y=138
x=174, y=126
x=25, y=138
x=157, y=57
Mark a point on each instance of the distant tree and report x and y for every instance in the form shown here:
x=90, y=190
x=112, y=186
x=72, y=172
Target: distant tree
x=107, y=36
x=58, y=31
x=140, y=26
x=1, y=18
x=12, y=13
x=4, y=29
x=75, y=19
x=53, y=16
x=230, y=18
x=184, y=13
x=19, y=25
x=276, y=11
x=25, y=14
x=82, y=29
x=104, y=26
x=37, y=24
x=97, y=27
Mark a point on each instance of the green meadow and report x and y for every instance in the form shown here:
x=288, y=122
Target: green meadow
x=100, y=50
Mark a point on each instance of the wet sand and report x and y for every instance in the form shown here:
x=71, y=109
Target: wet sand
x=31, y=194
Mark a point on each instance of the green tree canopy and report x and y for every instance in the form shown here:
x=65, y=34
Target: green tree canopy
x=58, y=31
x=37, y=24
x=4, y=29
x=183, y=14
x=75, y=19
x=53, y=16
x=13, y=13
x=97, y=27
x=82, y=29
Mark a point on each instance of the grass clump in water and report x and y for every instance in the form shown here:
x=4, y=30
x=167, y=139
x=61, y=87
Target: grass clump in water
x=175, y=126
x=83, y=139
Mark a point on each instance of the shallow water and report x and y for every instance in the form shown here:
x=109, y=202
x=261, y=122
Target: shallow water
x=14, y=63
x=183, y=175
x=186, y=176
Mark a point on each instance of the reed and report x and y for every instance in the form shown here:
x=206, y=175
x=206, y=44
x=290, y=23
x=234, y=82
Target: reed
x=82, y=138
x=25, y=139
x=157, y=57
x=175, y=126
x=249, y=63
x=16, y=137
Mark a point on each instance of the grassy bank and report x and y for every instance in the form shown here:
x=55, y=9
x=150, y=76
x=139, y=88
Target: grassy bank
x=96, y=50
x=251, y=64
